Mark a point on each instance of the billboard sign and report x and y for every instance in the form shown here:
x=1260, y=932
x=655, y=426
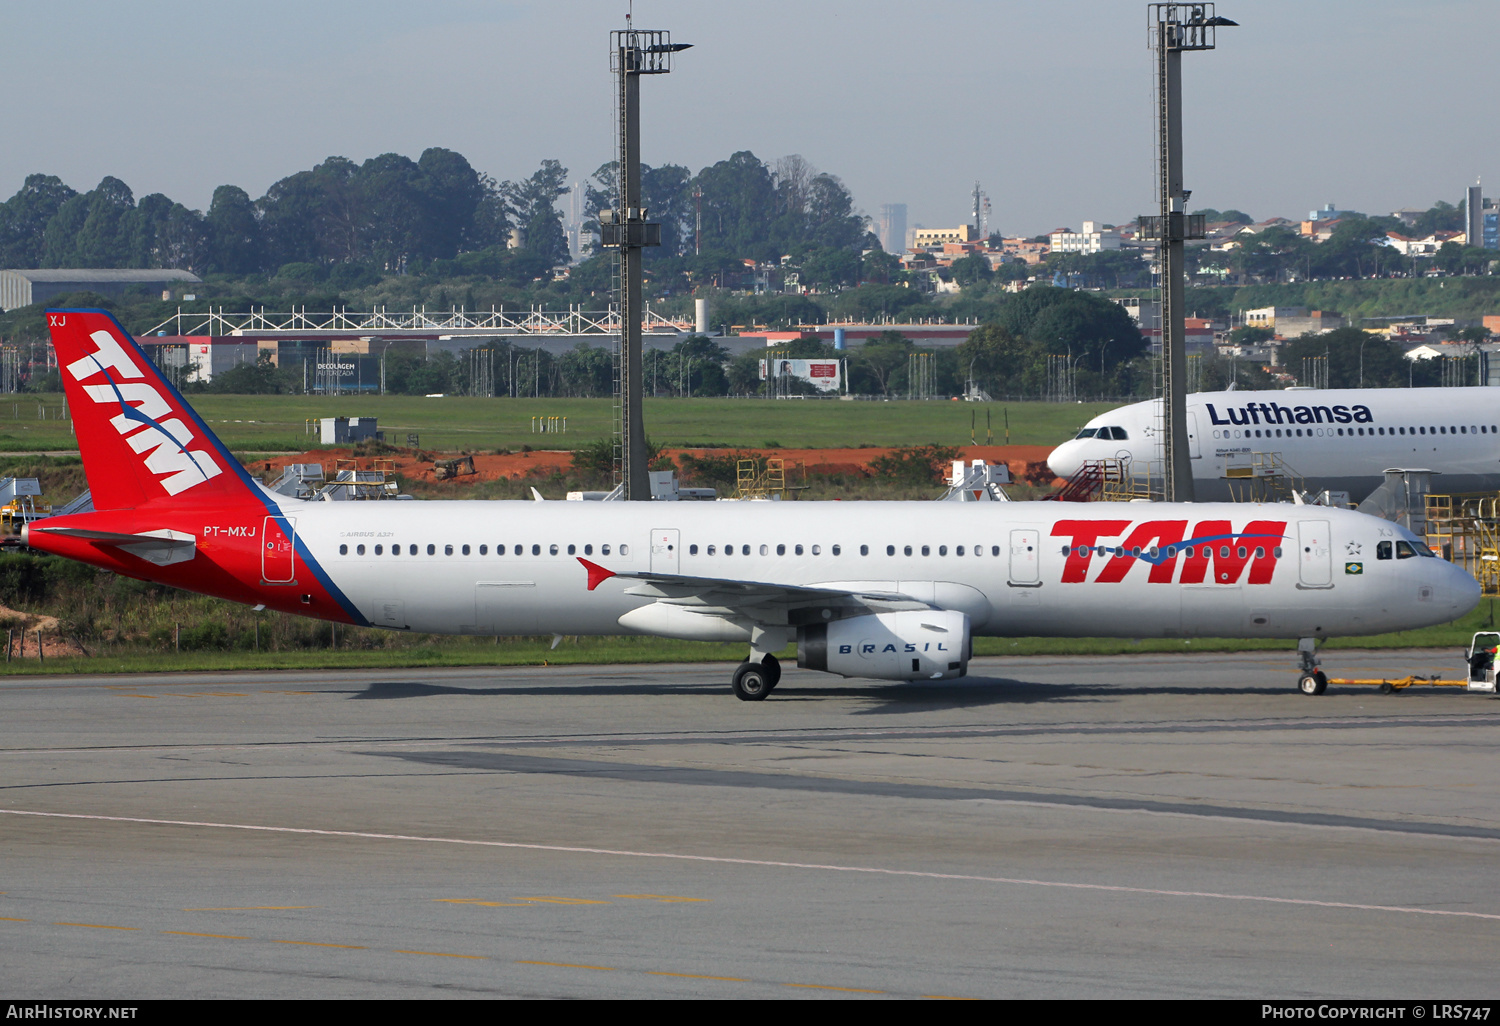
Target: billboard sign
x=825, y=375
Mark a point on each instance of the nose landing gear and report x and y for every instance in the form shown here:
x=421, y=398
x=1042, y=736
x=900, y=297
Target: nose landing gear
x=1312, y=680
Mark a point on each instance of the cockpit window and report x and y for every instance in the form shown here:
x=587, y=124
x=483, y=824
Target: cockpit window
x=1086, y=433
x=1423, y=550
x=1404, y=550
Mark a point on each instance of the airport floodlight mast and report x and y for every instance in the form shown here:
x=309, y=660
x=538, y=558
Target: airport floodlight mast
x=1173, y=29
x=633, y=53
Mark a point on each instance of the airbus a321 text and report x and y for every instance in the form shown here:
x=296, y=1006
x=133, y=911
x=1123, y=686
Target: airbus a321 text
x=886, y=590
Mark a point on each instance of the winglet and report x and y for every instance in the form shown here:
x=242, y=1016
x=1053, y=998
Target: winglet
x=597, y=574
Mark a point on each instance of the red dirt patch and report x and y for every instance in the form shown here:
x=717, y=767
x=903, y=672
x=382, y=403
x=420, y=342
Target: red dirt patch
x=1027, y=462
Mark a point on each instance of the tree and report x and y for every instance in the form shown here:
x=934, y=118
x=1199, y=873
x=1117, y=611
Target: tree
x=1355, y=358
x=739, y=204
x=870, y=301
x=827, y=266
x=532, y=206
x=451, y=192
x=999, y=361
x=1249, y=335
x=874, y=366
x=971, y=270
x=235, y=242
x=95, y=229
x=24, y=218
x=1356, y=248
x=1081, y=323
x=880, y=267
x=588, y=371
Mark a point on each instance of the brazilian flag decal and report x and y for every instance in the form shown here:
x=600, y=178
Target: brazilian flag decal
x=1354, y=568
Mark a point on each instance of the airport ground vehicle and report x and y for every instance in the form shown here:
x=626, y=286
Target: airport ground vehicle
x=1479, y=659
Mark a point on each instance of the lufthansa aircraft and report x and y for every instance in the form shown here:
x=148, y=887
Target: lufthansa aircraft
x=1342, y=439
x=888, y=590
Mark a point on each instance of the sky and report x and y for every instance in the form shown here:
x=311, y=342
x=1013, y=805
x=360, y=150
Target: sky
x=1371, y=105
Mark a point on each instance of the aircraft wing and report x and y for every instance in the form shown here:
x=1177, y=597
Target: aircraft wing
x=753, y=600
x=162, y=547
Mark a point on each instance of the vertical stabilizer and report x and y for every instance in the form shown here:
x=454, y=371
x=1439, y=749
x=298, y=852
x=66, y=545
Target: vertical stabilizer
x=139, y=439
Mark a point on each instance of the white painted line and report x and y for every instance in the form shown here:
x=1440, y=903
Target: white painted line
x=621, y=853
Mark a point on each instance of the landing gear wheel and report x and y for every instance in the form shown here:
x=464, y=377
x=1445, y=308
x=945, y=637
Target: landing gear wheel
x=1314, y=683
x=772, y=666
x=750, y=683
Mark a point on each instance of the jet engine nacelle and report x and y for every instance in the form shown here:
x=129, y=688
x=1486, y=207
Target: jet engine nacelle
x=928, y=644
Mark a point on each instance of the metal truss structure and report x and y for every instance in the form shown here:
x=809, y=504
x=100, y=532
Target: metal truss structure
x=417, y=321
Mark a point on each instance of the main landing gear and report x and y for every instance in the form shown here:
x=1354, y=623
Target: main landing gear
x=754, y=681
x=1311, y=680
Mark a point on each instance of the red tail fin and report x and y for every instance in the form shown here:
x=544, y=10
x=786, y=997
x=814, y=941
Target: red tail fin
x=139, y=439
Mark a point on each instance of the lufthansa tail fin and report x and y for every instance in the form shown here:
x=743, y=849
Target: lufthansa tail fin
x=139, y=439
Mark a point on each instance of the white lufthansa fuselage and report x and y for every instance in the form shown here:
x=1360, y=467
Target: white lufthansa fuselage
x=1340, y=439
x=1025, y=568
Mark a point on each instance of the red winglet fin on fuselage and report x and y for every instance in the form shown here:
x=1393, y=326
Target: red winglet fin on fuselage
x=597, y=574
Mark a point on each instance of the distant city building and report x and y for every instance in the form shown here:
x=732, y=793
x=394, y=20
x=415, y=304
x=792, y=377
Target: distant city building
x=1094, y=238
x=936, y=238
x=1145, y=312
x=1025, y=250
x=1474, y=216
x=1490, y=226
x=891, y=229
x=1328, y=213
x=1291, y=321
x=1267, y=316
x=20, y=288
x=1406, y=245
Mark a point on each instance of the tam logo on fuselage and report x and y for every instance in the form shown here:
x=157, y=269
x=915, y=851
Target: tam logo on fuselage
x=1214, y=552
x=164, y=443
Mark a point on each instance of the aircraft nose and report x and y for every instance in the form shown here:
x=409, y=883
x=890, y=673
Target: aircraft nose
x=1066, y=460
x=1463, y=590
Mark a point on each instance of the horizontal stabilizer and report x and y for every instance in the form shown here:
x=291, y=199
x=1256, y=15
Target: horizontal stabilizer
x=162, y=547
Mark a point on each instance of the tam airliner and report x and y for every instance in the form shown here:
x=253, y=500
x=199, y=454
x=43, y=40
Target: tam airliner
x=1341, y=439
x=885, y=590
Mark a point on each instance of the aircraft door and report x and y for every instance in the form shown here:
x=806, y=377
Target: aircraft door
x=278, y=550
x=1314, y=554
x=1194, y=450
x=1025, y=550
x=666, y=551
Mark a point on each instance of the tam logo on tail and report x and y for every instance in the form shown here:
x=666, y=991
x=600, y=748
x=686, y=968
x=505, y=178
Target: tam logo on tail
x=165, y=441
x=138, y=439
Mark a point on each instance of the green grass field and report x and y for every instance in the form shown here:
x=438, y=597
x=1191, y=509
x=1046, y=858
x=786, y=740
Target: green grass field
x=279, y=423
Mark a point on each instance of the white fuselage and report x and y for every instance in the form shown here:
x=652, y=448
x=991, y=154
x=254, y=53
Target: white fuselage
x=1265, y=570
x=1339, y=439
